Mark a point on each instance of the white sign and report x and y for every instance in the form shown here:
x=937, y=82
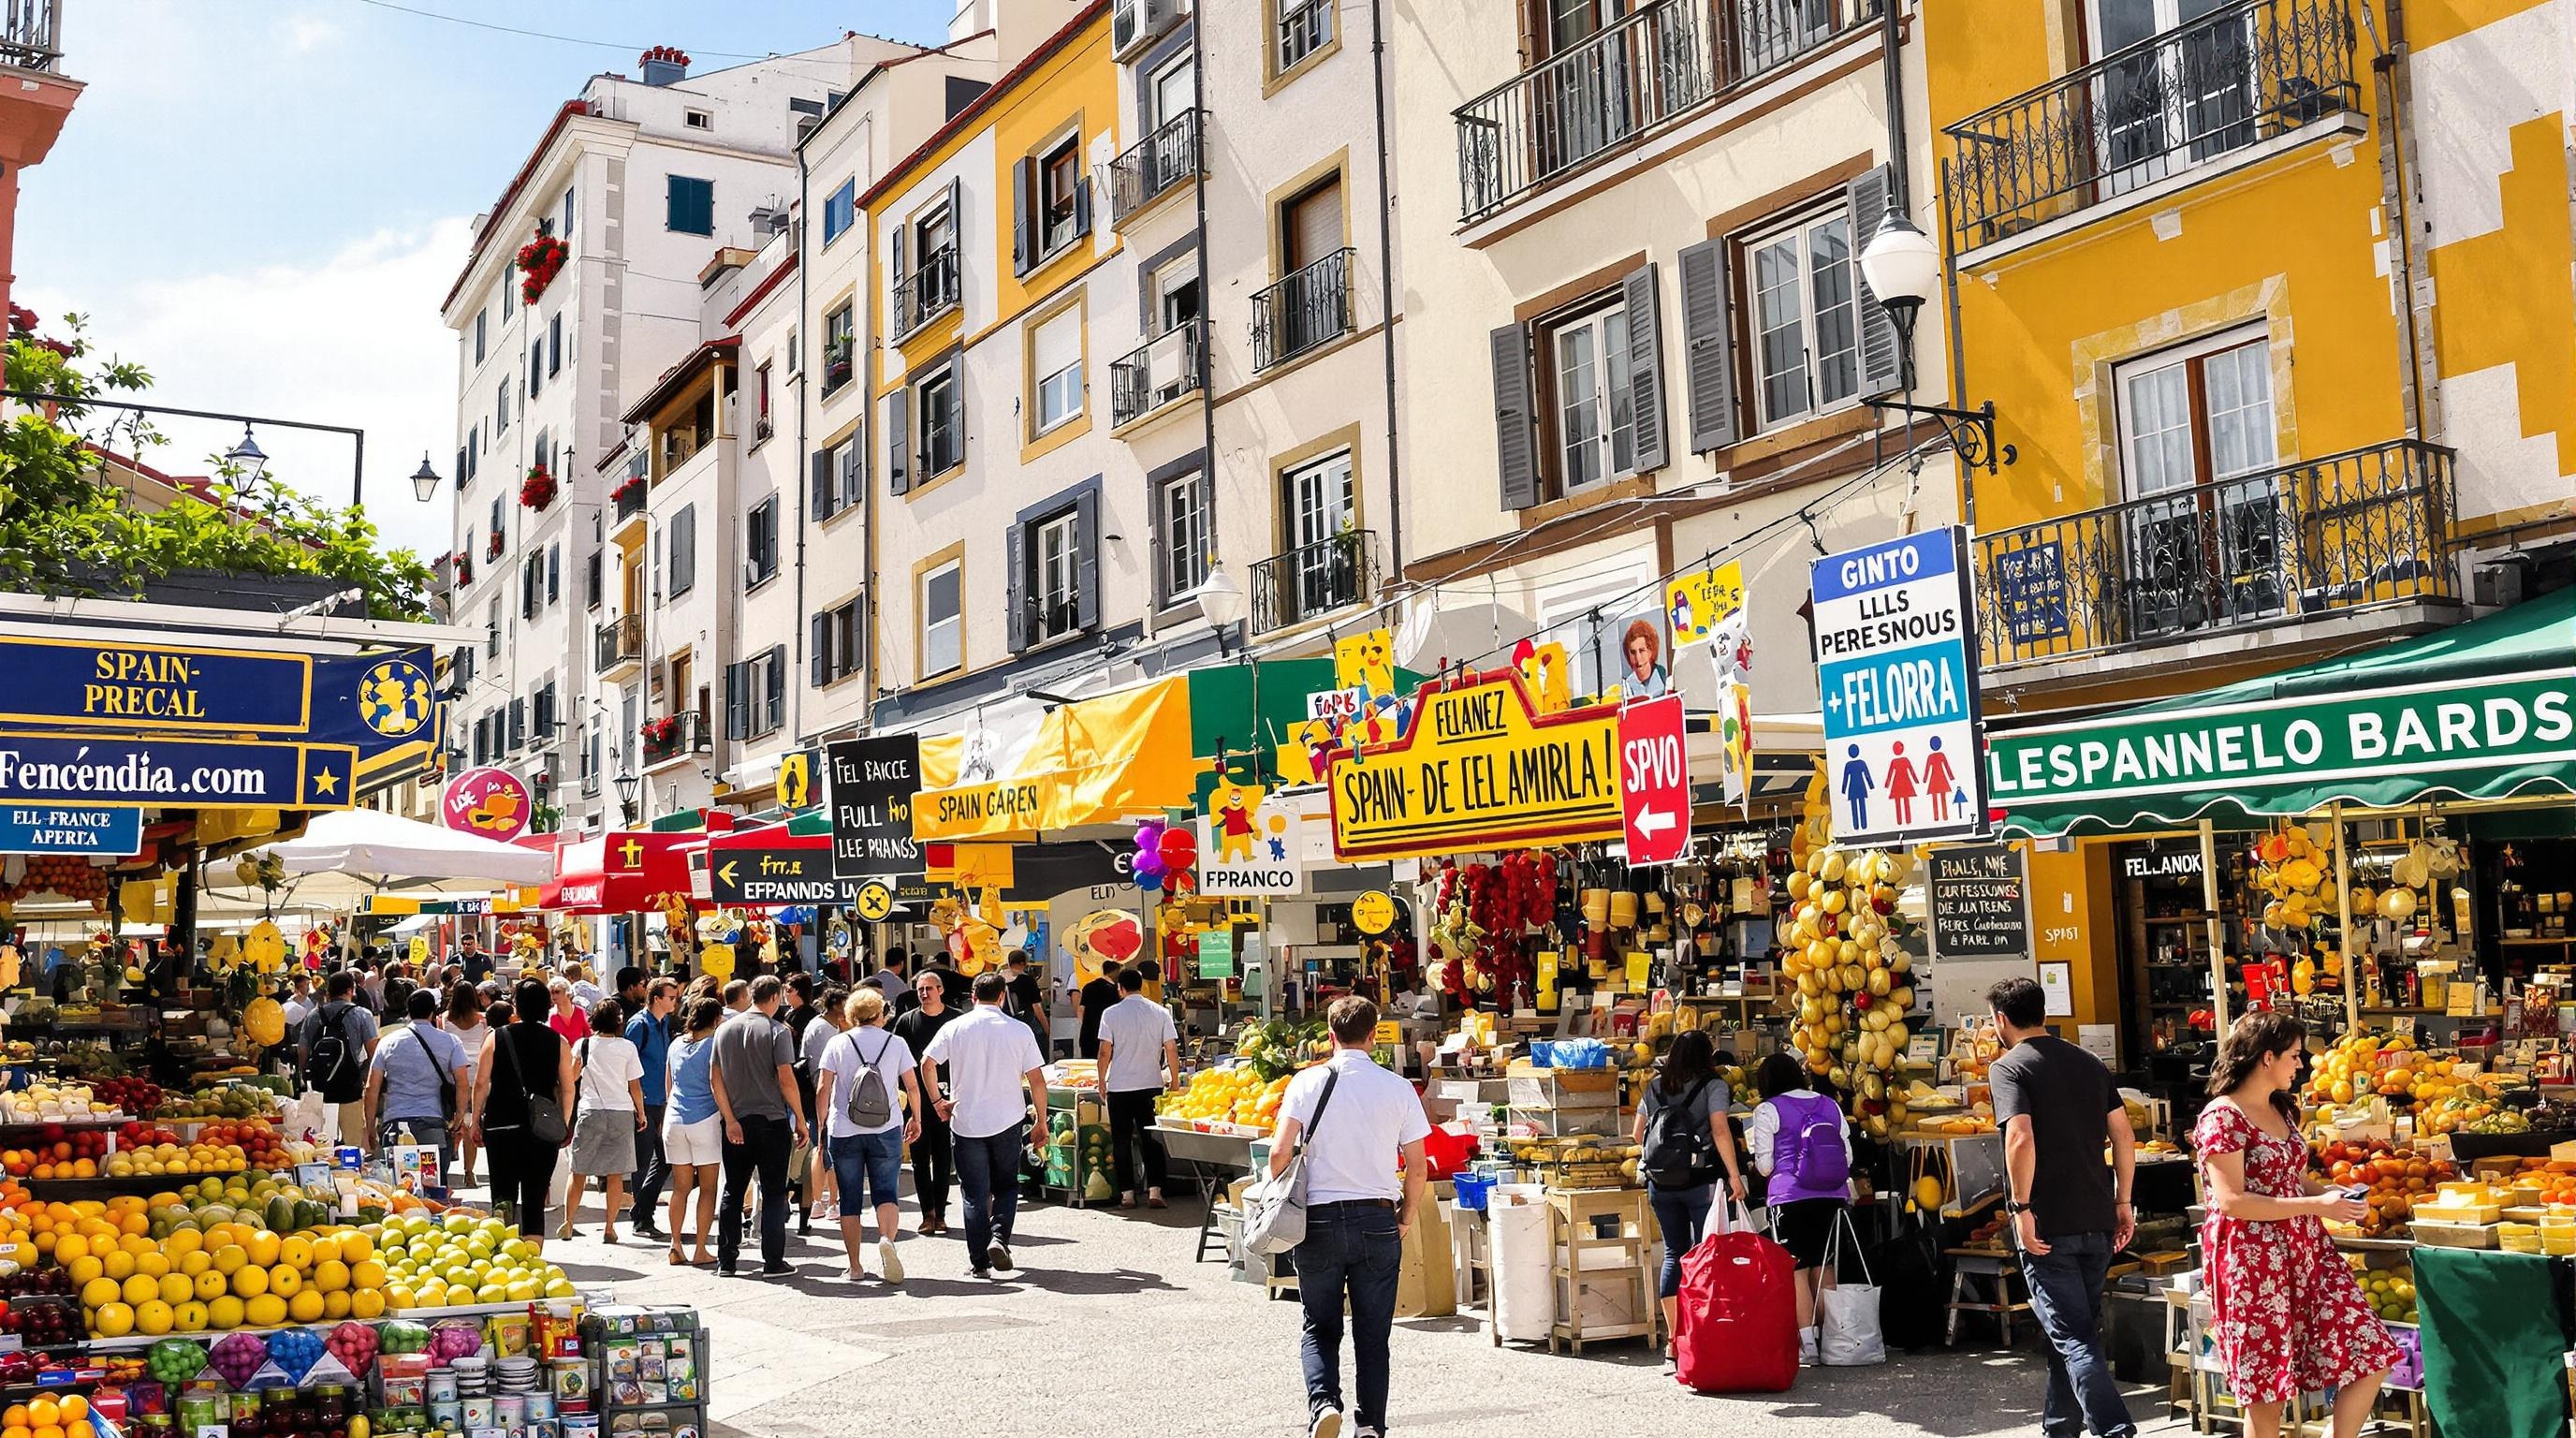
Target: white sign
x=1896, y=672
x=1250, y=846
x=1337, y=704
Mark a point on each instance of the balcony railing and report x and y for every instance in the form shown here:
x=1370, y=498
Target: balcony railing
x=1314, y=580
x=836, y=367
x=2228, y=80
x=628, y=498
x=29, y=35
x=762, y=428
x=1307, y=309
x=1158, y=372
x=682, y=734
x=1626, y=81
x=2320, y=537
x=620, y=642
x=928, y=292
x=1154, y=165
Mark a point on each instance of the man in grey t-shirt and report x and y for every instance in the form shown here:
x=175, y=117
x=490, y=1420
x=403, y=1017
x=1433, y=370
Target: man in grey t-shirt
x=764, y=1119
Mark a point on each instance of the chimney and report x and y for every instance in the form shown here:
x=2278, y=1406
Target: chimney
x=665, y=65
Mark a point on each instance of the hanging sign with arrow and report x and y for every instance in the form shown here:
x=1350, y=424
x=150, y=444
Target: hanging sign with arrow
x=784, y=873
x=1654, y=780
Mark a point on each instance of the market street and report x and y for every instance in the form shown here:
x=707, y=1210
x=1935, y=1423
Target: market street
x=1112, y=1330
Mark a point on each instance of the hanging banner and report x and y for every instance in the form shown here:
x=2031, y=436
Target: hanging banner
x=1654, y=781
x=490, y=802
x=1479, y=768
x=180, y=773
x=1700, y=605
x=1896, y=672
x=784, y=871
x=1365, y=660
x=1245, y=848
x=873, y=784
x=70, y=829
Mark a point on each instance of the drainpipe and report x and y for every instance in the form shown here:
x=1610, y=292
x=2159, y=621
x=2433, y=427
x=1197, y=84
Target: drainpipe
x=802, y=468
x=2403, y=225
x=1386, y=293
x=1892, y=61
x=1207, y=290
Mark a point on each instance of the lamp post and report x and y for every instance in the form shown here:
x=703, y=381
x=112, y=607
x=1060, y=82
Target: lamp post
x=626, y=783
x=1221, y=600
x=424, y=480
x=247, y=456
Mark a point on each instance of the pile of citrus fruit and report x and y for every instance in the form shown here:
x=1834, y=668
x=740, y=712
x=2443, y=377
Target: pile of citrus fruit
x=1229, y=1095
x=45, y=1416
x=232, y=1275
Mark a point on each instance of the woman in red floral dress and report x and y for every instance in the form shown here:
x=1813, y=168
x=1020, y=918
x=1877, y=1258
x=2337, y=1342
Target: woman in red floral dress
x=2289, y=1317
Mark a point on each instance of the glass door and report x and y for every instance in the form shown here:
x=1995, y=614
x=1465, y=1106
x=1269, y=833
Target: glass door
x=2185, y=97
x=2202, y=536
x=1323, y=519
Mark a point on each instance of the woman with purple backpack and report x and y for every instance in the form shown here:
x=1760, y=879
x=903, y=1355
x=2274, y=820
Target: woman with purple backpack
x=1801, y=1144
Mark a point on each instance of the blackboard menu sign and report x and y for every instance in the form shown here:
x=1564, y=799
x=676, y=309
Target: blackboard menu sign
x=873, y=783
x=1979, y=896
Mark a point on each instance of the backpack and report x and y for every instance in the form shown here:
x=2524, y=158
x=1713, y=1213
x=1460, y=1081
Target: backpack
x=1822, y=1161
x=1679, y=1156
x=871, y=1103
x=332, y=1063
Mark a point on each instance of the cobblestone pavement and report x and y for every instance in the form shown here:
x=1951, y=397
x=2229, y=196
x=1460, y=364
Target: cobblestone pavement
x=1109, y=1328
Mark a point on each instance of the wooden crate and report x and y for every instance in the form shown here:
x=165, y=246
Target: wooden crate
x=1565, y=1088
x=2453, y=1235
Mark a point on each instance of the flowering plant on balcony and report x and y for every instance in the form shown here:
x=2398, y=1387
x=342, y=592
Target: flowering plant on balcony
x=661, y=736
x=492, y=546
x=629, y=492
x=538, y=489
x=540, y=260
x=462, y=565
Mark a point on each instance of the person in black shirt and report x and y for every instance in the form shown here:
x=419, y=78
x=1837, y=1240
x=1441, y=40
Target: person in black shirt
x=1027, y=998
x=1095, y=999
x=933, y=1153
x=469, y=953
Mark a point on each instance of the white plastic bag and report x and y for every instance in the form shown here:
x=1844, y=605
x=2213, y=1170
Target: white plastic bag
x=1848, y=1335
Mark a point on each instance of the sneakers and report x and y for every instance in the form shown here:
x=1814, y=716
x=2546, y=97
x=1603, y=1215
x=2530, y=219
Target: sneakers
x=979, y=1271
x=778, y=1270
x=1807, y=1347
x=999, y=1256
x=827, y=1212
x=888, y=1261
x=1327, y=1423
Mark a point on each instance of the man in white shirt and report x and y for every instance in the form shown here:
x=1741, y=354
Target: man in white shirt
x=1140, y=1054
x=988, y=1055
x=1354, y=1120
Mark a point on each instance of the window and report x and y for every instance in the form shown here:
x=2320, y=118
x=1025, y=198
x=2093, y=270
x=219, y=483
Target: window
x=1174, y=89
x=795, y=356
x=698, y=120
x=473, y=451
x=1322, y=566
x=1595, y=409
x=943, y=426
x=1051, y=205
x=482, y=320
x=496, y=516
x=501, y=409
x=837, y=479
x=835, y=644
x=1058, y=588
x=1175, y=295
x=1303, y=27
x=1805, y=327
x=1055, y=362
x=1181, y=559
x=1059, y=178
x=2201, y=539
x=762, y=426
x=839, y=348
x=509, y=295
x=684, y=550
x=569, y=208
x=840, y=210
x=554, y=345
x=536, y=370
x=689, y=205
x=943, y=625
x=1596, y=431
x=760, y=544
x=545, y=452
x=554, y=573
x=2199, y=415
x=756, y=694
x=492, y=629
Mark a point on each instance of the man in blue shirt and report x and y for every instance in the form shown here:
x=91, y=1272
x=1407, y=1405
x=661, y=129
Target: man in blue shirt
x=650, y=1031
x=408, y=1086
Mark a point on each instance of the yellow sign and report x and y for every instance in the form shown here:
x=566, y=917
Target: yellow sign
x=1388, y=1032
x=1544, y=671
x=1697, y=602
x=1365, y=660
x=419, y=949
x=1479, y=768
x=875, y=900
x=1373, y=913
x=980, y=866
x=795, y=780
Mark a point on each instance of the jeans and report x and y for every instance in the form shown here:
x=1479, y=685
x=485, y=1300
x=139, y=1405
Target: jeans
x=1131, y=1127
x=764, y=1146
x=1681, y=1213
x=989, y=1170
x=864, y=1164
x=1351, y=1250
x=933, y=1165
x=2066, y=1294
x=652, y=1170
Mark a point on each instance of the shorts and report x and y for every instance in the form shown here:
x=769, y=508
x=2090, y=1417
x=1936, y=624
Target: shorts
x=603, y=1143
x=865, y=1164
x=697, y=1143
x=1804, y=1227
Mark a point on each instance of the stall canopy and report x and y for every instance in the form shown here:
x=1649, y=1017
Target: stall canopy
x=390, y=850
x=2482, y=710
x=620, y=872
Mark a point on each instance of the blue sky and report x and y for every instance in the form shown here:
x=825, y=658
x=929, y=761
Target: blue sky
x=264, y=200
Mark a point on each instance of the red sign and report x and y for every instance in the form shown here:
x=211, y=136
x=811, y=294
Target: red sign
x=1654, y=780
x=489, y=802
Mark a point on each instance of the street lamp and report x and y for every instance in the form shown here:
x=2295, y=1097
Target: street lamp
x=248, y=456
x=1902, y=266
x=626, y=783
x=424, y=480
x=1221, y=600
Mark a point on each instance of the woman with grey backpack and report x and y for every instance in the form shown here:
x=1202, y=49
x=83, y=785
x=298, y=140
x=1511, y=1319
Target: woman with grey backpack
x=866, y=1083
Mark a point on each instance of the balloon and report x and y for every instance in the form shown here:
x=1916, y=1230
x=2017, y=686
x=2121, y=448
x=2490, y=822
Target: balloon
x=1149, y=882
x=1149, y=833
x=1179, y=848
x=1147, y=863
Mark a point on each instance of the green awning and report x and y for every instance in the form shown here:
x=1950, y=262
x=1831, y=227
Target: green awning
x=2482, y=710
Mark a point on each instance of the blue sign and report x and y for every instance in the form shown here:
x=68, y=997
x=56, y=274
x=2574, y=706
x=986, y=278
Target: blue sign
x=70, y=829
x=1896, y=673
x=2030, y=589
x=180, y=773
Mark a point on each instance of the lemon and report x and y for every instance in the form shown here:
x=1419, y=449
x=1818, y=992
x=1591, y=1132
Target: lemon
x=188, y=1317
x=284, y=1280
x=138, y=1289
x=250, y=1282
x=369, y=1303
x=113, y=1320
x=330, y=1275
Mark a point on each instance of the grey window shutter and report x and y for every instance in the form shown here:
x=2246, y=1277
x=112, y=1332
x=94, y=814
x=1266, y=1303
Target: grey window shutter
x=1016, y=599
x=554, y=574
x=774, y=702
x=826, y=497
x=1515, y=451
x=897, y=267
x=1708, y=345
x=1882, y=352
x=899, y=441
x=817, y=641
x=957, y=214
x=1645, y=366
x=1086, y=524
x=737, y=702
x=684, y=549
x=1024, y=215
x=1081, y=206
x=853, y=454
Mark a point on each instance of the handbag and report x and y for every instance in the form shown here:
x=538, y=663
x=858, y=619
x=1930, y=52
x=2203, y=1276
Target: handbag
x=1736, y=1323
x=1278, y=1220
x=546, y=1122
x=1848, y=1333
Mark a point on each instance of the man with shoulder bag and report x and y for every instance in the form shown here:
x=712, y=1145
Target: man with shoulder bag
x=339, y=1043
x=412, y=1084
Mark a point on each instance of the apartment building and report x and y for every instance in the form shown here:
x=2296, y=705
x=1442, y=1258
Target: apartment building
x=1637, y=332
x=618, y=208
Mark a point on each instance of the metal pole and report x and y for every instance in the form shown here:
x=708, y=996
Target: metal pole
x=2217, y=931
x=358, y=469
x=2343, y=922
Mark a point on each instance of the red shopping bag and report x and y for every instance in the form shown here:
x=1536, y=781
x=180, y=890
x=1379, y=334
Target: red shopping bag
x=1737, y=1325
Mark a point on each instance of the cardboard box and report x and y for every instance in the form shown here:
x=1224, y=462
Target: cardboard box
x=1426, y=1284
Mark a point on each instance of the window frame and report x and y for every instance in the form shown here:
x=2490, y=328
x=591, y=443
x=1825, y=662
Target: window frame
x=1800, y=224
x=840, y=643
x=1063, y=530
x=760, y=556
x=953, y=561
x=840, y=323
x=1072, y=314
x=949, y=378
x=671, y=193
x=1170, y=533
x=2192, y=357
x=1059, y=159
x=696, y=119
x=842, y=206
x=1604, y=316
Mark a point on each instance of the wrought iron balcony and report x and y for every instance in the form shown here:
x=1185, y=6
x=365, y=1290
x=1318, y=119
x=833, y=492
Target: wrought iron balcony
x=31, y=35
x=1310, y=307
x=2304, y=541
x=1313, y=580
x=837, y=367
x=679, y=735
x=1153, y=165
x=928, y=292
x=620, y=644
x=2231, y=79
x=1157, y=372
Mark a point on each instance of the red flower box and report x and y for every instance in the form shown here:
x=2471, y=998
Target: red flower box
x=538, y=489
x=540, y=260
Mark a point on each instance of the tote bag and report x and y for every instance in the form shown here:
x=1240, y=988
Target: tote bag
x=1736, y=1329
x=1848, y=1334
x=1278, y=1220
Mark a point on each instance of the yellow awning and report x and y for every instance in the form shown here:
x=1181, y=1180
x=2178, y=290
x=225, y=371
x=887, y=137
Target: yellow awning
x=1097, y=761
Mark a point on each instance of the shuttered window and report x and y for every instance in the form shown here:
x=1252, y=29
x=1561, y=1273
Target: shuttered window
x=684, y=550
x=690, y=205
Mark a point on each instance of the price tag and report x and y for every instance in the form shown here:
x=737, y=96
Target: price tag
x=2404, y=1027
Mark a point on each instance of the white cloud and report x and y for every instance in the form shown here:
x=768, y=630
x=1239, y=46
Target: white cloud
x=349, y=339
x=305, y=33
